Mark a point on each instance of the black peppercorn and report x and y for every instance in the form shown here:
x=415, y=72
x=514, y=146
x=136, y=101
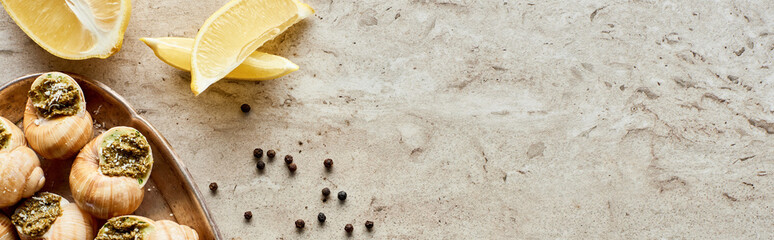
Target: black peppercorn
x=271, y=154
x=321, y=217
x=300, y=223
x=213, y=187
x=288, y=159
x=328, y=163
x=292, y=167
x=245, y=108
x=248, y=215
x=258, y=153
x=369, y=224
x=261, y=165
x=342, y=195
x=326, y=192
x=349, y=228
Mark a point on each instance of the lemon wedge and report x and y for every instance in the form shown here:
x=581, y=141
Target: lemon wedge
x=258, y=66
x=234, y=32
x=73, y=29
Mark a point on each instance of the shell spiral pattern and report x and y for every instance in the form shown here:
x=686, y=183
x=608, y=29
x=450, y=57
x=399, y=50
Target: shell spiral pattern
x=73, y=224
x=102, y=196
x=7, y=232
x=153, y=230
x=20, y=172
x=60, y=137
x=168, y=230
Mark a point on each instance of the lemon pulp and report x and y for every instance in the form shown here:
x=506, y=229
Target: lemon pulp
x=73, y=29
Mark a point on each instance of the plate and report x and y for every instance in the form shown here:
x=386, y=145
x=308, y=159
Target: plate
x=171, y=193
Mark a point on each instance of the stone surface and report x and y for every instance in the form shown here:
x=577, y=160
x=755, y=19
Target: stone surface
x=462, y=119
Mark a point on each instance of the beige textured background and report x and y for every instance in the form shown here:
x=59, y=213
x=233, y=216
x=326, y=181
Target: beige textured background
x=462, y=119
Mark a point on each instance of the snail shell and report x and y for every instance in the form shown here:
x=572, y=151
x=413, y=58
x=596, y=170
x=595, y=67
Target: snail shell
x=73, y=224
x=17, y=137
x=7, y=232
x=58, y=137
x=20, y=172
x=169, y=230
x=101, y=195
x=158, y=230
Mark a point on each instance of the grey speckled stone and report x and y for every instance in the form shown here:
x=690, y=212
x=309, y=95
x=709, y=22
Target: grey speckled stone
x=462, y=119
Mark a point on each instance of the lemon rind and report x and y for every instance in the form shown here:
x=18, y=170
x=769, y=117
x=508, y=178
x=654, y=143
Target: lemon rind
x=303, y=11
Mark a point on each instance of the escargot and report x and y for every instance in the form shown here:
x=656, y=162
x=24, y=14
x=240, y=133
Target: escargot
x=7, y=231
x=108, y=175
x=56, y=123
x=140, y=228
x=47, y=216
x=20, y=172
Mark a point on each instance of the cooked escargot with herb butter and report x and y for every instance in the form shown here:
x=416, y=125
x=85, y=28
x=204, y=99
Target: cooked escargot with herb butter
x=20, y=172
x=141, y=228
x=47, y=216
x=7, y=231
x=108, y=176
x=56, y=122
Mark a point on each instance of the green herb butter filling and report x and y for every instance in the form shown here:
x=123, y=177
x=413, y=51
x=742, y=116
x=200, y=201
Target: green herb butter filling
x=122, y=228
x=5, y=136
x=36, y=215
x=127, y=156
x=54, y=96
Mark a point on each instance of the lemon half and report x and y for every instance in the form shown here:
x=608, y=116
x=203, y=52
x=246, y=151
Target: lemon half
x=73, y=29
x=235, y=31
x=257, y=67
